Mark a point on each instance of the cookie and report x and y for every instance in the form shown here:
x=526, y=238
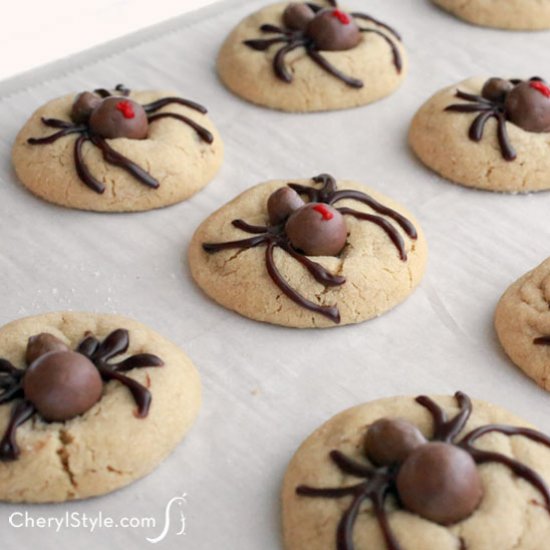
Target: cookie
x=302, y=57
x=88, y=404
x=490, y=134
x=504, y=14
x=309, y=253
x=522, y=322
x=405, y=473
x=117, y=151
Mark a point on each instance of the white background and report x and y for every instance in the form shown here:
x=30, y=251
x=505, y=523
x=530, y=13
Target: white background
x=36, y=32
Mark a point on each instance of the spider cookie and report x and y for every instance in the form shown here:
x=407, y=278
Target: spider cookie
x=312, y=56
x=309, y=253
x=117, y=150
x=491, y=134
x=88, y=404
x=504, y=14
x=522, y=322
x=425, y=473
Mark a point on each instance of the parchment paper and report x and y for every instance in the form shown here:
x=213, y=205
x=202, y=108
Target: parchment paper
x=266, y=388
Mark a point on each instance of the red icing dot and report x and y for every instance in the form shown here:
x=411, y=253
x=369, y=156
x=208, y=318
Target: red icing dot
x=125, y=107
x=540, y=87
x=324, y=211
x=341, y=16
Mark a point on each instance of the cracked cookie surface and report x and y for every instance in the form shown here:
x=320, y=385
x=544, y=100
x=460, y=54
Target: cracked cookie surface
x=241, y=69
x=522, y=322
x=511, y=514
x=173, y=153
x=109, y=446
x=503, y=14
x=441, y=141
x=377, y=279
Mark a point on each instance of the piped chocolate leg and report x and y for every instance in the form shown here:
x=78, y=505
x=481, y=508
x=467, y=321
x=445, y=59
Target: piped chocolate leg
x=160, y=103
x=279, y=65
x=262, y=44
x=115, y=343
x=254, y=229
x=350, y=466
x=113, y=157
x=82, y=170
x=141, y=395
x=331, y=312
x=331, y=69
x=243, y=243
x=319, y=273
x=141, y=360
x=396, y=54
x=201, y=131
x=359, y=196
x=54, y=137
x=508, y=151
x=478, y=125
x=521, y=470
x=384, y=224
x=21, y=412
x=365, y=17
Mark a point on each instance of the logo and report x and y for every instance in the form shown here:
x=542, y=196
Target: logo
x=175, y=501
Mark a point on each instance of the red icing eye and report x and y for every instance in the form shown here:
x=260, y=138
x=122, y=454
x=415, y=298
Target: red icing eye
x=540, y=87
x=125, y=107
x=324, y=211
x=341, y=16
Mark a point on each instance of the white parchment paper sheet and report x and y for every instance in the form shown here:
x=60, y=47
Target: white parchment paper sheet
x=266, y=388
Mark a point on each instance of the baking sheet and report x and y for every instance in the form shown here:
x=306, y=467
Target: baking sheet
x=266, y=388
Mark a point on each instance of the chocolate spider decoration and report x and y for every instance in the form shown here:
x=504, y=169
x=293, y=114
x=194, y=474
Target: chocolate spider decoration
x=436, y=479
x=316, y=29
x=524, y=103
x=315, y=228
x=59, y=384
x=100, y=116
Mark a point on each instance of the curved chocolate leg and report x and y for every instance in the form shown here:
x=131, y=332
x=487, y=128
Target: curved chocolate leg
x=202, y=132
x=281, y=70
x=160, y=103
x=478, y=125
x=366, y=17
x=254, y=229
x=243, y=243
x=319, y=273
x=404, y=223
x=331, y=312
x=82, y=170
x=113, y=157
x=331, y=69
x=21, y=412
x=384, y=224
x=396, y=54
x=141, y=395
x=350, y=466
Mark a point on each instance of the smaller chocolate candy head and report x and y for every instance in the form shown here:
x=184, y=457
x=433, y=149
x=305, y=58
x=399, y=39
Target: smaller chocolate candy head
x=83, y=106
x=333, y=30
x=392, y=440
x=41, y=344
x=282, y=203
x=440, y=482
x=297, y=16
x=62, y=385
x=496, y=89
x=317, y=229
x=528, y=106
x=118, y=117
